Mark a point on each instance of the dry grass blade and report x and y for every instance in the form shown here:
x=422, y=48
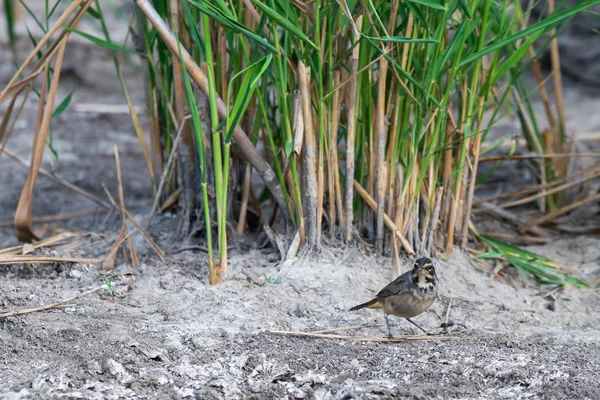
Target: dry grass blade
x=53, y=218
x=134, y=258
x=536, y=156
x=58, y=304
x=555, y=214
x=56, y=240
x=166, y=171
x=551, y=191
x=23, y=224
x=41, y=43
x=60, y=181
x=367, y=338
x=347, y=328
x=28, y=258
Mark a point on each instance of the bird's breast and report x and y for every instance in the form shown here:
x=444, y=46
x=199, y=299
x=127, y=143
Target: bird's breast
x=409, y=304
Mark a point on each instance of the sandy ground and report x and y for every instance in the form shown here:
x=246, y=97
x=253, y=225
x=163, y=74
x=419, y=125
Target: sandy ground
x=167, y=334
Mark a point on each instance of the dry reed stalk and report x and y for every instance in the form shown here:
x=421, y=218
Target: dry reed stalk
x=397, y=215
x=59, y=180
x=239, y=135
x=536, y=156
x=380, y=187
x=6, y=134
x=245, y=196
x=166, y=171
x=386, y=219
x=59, y=304
x=551, y=191
x=512, y=218
x=555, y=214
x=40, y=45
x=473, y=181
x=34, y=259
x=310, y=157
x=321, y=150
x=557, y=77
x=331, y=171
x=134, y=258
x=430, y=242
x=511, y=238
x=335, y=122
x=351, y=132
x=536, y=67
x=392, y=171
x=368, y=338
x=297, y=123
x=56, y=240
x=458, y=186
x=535, y=188
x=23, y=224
x=54, y=218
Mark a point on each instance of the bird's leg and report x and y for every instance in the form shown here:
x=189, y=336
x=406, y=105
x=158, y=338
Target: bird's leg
x=409, y=320
x=387, y=323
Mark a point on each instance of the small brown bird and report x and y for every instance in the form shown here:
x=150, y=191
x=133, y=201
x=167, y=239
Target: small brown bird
x=409, y=295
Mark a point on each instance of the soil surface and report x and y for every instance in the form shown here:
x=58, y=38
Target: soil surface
x=165, y=333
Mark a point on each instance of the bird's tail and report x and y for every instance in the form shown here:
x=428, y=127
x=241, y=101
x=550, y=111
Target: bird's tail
x=369, y=304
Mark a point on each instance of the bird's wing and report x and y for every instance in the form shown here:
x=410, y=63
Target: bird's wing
x=399, y=285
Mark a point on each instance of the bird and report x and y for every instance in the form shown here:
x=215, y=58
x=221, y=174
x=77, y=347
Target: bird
x=409, y=295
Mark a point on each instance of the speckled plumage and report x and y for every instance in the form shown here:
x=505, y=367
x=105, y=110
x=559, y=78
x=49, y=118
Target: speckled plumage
x=409, y=295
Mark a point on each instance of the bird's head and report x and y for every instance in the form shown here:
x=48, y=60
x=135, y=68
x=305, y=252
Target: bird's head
x=424, y=273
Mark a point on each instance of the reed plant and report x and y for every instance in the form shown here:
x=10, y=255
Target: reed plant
x=360, y=117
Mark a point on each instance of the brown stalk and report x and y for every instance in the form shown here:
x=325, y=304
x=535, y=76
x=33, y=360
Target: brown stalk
x=381, y=136
x=42, y=42
x=511, y=238
x=322, y=150
x=245, y=196
x=555, y=214
x=392, y=171
x=60, y=181
x=512, y=218
x=387, y=220
x=166, y=171
x=134, y=258
x=430, y=242
x=310, y=157
x=473, y=175
x=23, y=225
x=535, y=188
x=367, y=338
x=557, y=189
x=397, y=213
x=54, y=218
x=351, y=105
x=456, y=193
x=298, y=123
x=536, y=156
x=7, y=134
x=335, y=122
x=556, y=75
x=35, y=259
x=196, y=73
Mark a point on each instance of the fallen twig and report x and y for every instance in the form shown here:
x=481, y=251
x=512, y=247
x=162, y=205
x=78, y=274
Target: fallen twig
x=21, y=311
x=22, y=259
x=367, y=338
